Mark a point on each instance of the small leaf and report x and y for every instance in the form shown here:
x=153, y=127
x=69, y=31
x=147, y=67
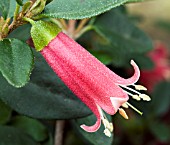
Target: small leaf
x=96, y=138
x=12, y=7
x=30, y=126
x=20, y=2
x=14, y=136
x=4, y=7
x=5, y=113
x=45, y=96
x=79, y=9
x=16, y=61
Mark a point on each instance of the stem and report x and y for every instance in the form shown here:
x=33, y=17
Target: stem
x=71, y=28
x=59, y=130
x=85, y=29
x=56, y=21
x=28, y=20
x=39, y=16
x=16, y=12
x=64, y=24
x=81, y=25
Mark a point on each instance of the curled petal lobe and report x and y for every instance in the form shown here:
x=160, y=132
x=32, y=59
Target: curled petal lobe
x=96, y=126
x=131, y=80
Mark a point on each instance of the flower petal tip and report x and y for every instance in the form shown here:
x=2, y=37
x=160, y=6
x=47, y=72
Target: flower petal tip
x=89, y=128
x=132, y=62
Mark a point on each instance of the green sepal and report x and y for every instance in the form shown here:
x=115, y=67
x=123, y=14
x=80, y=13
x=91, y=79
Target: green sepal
x=42, y=33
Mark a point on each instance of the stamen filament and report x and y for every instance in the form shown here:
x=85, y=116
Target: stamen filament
x=130, y=89
x=108, y=126
x=133, y=96
x=134, y=108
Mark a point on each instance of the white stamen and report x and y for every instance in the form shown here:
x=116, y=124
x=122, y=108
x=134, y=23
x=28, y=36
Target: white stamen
x=106, y=123
x=107, y=132
x=124, y=105
x=130, y=89
x=136, y=97
x=145, y=97
x=140, y=87
x=123, y=113
x=111, y=127
x=108, y=126
x=128, y=93
x=134, y=108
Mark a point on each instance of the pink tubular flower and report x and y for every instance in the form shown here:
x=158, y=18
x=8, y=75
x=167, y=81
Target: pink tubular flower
x=96, y=85
x=90, y=80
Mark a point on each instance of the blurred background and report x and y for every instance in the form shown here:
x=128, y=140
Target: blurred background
x=155, y=19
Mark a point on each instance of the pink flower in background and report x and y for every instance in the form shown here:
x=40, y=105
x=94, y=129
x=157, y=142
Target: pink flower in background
x=90, y=80
x=161, y=70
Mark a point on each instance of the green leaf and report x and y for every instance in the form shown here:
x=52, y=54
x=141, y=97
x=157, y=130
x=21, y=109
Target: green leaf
x=20, y=2
x=45, y=96
x=16, y=61
x=5, y=113
x=30, y=126
x=118, y=37
x=96, y=138
x=160, y=130
x=120, y=33
x=79, y=9
x=12, y=7
x=22, y=32
x=14, y=136
x=4, y=8
x=104, y=58
x=161, y=98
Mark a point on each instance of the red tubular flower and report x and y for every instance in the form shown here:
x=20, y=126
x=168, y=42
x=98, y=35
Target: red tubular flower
x=90, y=80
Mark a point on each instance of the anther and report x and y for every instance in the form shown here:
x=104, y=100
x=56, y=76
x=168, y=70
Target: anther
x=107, y=132
x=111, y=127
x=125, y=105
x=145, y=97
x=136, y=97
x=123, y=113
x=140, y=87
x=108, y=125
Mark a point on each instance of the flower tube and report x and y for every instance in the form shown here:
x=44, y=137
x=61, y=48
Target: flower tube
x=90, y=80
